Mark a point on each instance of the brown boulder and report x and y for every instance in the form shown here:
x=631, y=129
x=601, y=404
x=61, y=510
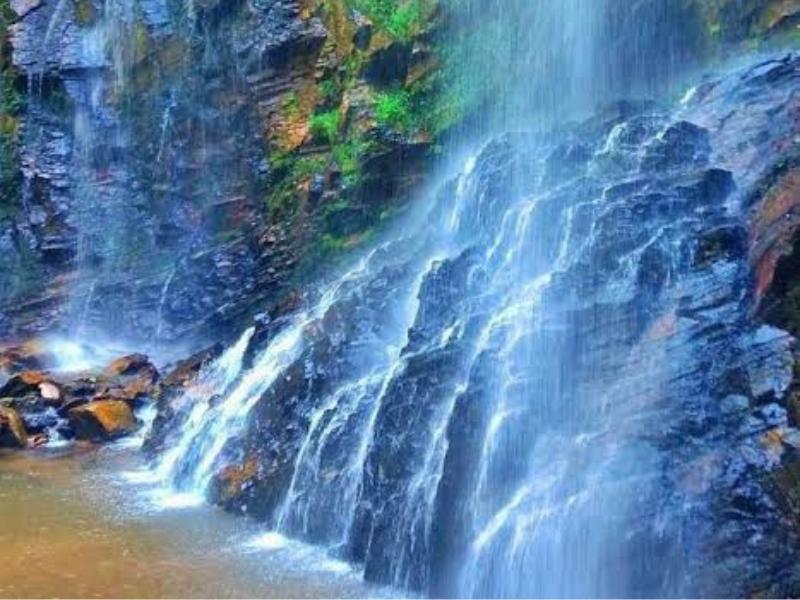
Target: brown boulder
x=12, y=429
x=22, y=384
x=128, y=365
x=129, y=378
x=102, y=420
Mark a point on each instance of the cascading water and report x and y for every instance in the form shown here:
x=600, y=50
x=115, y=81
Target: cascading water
x=140, y=170
x=489, y=405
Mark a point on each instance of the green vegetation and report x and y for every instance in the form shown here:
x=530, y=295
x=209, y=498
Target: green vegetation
x=333, y=126
x=394, y=109
x=290, y=174
x=747, y=22
x=11, y=103
x=401, y=19
x=329, y=90
x=325, y=126
x=292, y=105
x=346, y=155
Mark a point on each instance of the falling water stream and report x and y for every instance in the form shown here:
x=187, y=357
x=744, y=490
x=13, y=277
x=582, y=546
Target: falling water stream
x=474, y=299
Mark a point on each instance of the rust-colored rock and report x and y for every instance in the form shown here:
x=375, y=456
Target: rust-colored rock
x=102, y=420
x=12, y=429
x=24, y=383
x=773, y=228
x=128, y=365
x=232, y=480
x=130, y=378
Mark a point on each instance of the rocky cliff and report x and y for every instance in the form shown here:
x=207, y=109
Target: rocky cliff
x=204, y=164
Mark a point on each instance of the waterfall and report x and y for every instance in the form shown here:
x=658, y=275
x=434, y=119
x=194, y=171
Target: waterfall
x=487, y=403
x=218, y=378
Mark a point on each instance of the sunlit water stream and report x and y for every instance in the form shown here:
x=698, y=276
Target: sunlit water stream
x=73, y=525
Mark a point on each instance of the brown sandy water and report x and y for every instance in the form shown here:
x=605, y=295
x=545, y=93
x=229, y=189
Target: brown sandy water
x=72, y=526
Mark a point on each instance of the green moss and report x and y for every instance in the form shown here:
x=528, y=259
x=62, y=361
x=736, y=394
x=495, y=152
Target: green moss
x=289, y=173
x=291, y=106
x=325, y=126
x=336, y=244
x=347, y=154
x=394, y=109
x=401, y=19
x=405, y=21
x=330, y=90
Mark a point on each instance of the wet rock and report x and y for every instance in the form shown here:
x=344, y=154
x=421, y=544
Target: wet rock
x=734, y=404
x=50, y=391
x=12, y=429
x=128, y=365
x=27, y=382
x=787, y=481
x=723, y=243
x=185, y=371
x=363, y=34
x=27, y=357
x=130, y=378
x=791, y=437
x=102, y=420
x=37, y=440
x=681, y=144
x=388, y=66
x=233, y=481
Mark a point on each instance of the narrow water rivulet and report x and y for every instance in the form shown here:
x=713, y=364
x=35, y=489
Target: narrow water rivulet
x=507, y=309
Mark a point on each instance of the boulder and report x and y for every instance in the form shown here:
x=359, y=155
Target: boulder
x=12, y=429
x=22, y=384
x=130, y=378
x=129, y=365
x=50, y=391
x=102, y=420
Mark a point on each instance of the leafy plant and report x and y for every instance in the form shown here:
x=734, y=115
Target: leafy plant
x=394, y=109
x=401, y=19
x=325, y=126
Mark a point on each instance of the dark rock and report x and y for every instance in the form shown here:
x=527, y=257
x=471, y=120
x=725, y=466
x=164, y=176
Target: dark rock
x=388, y=66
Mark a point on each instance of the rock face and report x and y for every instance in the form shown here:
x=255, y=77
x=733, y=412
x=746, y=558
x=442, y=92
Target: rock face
x=179, y=222
x=569, y=344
